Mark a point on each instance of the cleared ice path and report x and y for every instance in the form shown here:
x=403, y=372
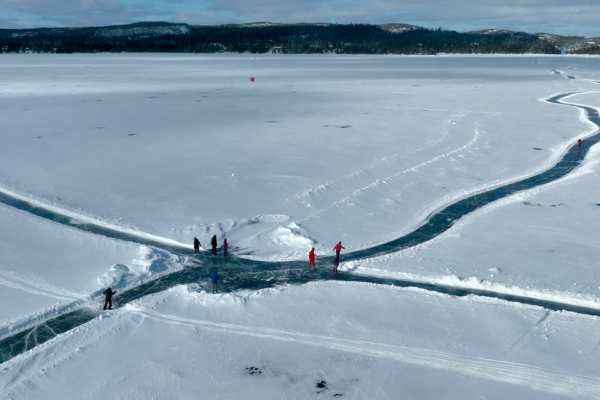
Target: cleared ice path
x=239, y=273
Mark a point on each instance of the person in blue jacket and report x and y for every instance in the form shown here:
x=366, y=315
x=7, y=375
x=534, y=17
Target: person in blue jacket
x=214, y=277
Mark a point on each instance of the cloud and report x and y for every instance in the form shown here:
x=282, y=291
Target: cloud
x=63, y=7
x=530, y=15
x=11, y=23
x=206, y=18
x=556, y=19
x=84, y=12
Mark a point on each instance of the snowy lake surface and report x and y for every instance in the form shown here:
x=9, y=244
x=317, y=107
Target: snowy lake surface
x=316, y=150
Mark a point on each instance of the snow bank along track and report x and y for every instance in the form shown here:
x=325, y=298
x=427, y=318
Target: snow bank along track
x=538, y=379
x=240, y=273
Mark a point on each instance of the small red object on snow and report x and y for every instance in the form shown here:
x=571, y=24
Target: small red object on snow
x=251, y=79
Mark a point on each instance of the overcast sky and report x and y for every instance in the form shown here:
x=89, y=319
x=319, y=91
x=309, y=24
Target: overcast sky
x=566, y=17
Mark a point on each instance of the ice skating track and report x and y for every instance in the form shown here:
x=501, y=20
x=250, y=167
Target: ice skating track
x=239, y=273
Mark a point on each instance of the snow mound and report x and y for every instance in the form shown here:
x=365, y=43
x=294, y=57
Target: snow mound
x=265, y=237
x=283, y=242
x=152, y=262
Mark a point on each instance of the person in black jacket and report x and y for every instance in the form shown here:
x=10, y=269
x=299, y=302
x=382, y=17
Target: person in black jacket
x=196, y=246
x=213, y=243
x=108, y=293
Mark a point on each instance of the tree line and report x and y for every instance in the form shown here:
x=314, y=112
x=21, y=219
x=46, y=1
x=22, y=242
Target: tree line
x=290, y=39
x=589, y=49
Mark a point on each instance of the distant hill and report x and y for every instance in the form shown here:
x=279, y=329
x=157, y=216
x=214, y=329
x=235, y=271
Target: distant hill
x=572, y=44
x=568, y=44
x=137, y=30
x=261, y=37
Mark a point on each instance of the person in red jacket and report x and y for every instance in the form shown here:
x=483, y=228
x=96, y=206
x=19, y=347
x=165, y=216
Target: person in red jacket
x=338, y=247
x=579, y=142
x=311, y=258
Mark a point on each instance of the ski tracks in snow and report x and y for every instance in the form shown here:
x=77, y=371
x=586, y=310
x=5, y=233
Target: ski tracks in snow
x=22, y=278
x=386, y=180
x=385, y=160
x=500, y=371
x=526, y=336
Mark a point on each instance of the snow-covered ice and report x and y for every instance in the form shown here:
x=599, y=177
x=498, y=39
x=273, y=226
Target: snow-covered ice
x=356, y=340
x=316, y=150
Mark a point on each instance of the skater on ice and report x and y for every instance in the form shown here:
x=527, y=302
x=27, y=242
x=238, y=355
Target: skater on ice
x=225, y=247
x=214, y=277
x=108, y=294
x=579, y=142
x=338, y=247
x=196, y=246
x=311, y=258
x=213, y=243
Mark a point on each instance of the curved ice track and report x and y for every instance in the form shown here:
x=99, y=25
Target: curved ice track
x=239, y=273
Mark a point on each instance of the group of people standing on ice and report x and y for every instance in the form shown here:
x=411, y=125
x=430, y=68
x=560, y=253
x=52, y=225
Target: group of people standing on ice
x=213, y=243
x=214, y=276
x=311, y=255
x=336, y=261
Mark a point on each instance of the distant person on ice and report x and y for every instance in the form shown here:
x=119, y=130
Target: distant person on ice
x=108, y=294
x=579, y=142
x=214, y=277
x=213, y=243
x=338, y=247
x=311, y=258
x=196, y=246
x=225, y=247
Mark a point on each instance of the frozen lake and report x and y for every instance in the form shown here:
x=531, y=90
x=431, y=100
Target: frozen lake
x=316, y=150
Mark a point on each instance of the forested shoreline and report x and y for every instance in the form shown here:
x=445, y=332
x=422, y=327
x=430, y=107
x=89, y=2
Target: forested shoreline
x=287, y=39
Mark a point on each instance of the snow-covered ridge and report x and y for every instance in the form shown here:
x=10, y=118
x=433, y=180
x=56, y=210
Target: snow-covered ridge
x=258, y=24
x=398, y=28
x=493, y=32
x=264, y=25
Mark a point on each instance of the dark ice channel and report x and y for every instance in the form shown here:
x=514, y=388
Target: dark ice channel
x=239, y=273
